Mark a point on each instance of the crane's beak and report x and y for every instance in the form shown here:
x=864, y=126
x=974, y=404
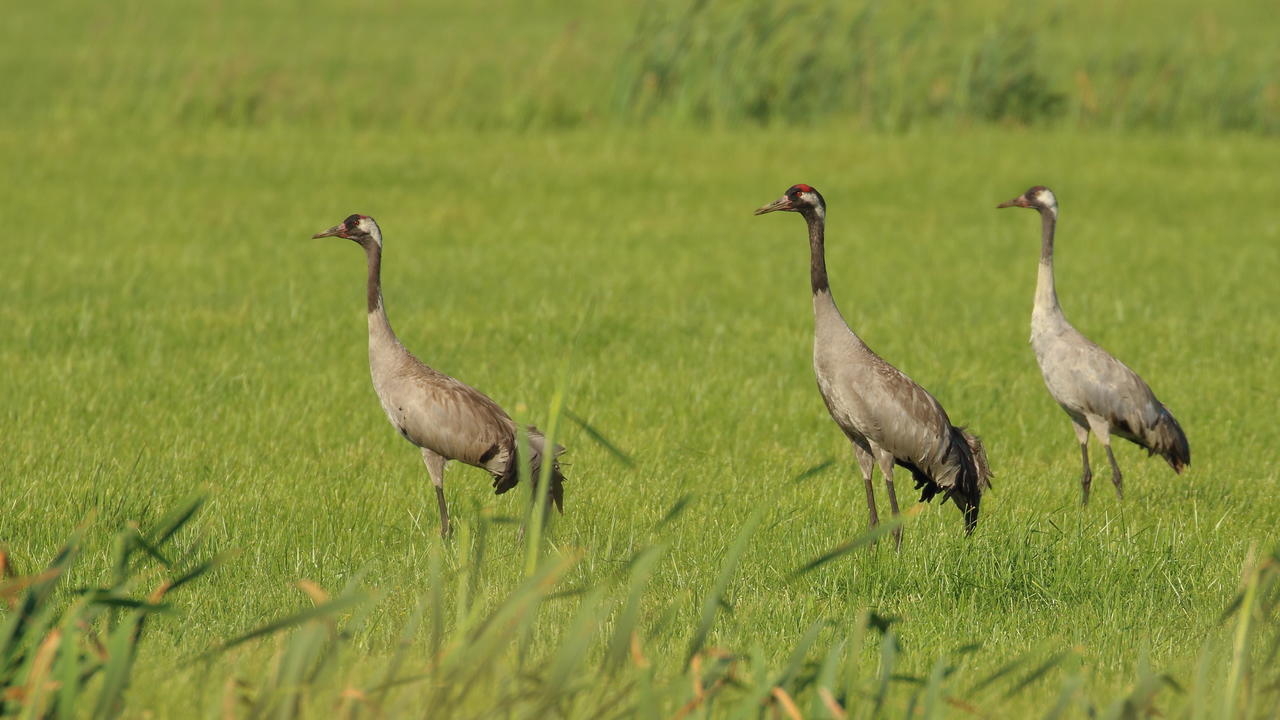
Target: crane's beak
x=782, y=203
x=1020, y=201
x=335, y=231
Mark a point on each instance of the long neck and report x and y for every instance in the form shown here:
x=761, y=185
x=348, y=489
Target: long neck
x=1046, y=294
x=826, y=316
x=379, y=326
x=817, y=252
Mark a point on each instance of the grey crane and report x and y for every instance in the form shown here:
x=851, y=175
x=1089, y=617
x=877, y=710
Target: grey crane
x=887, y=417
x=446, y=418
x=1097, y=391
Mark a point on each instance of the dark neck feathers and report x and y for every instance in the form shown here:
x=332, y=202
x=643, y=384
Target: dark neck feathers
x=373, y=252
x=817, y=251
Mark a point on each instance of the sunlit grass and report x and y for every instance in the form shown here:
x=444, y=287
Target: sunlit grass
x=170, y=327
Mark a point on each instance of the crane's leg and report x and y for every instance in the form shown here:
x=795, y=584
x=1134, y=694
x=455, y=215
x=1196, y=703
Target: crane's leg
x=1082, y=437
x=886, y=469
x=1102, y=429
x=867, y=464
x=435, y=468
x=1116, y=477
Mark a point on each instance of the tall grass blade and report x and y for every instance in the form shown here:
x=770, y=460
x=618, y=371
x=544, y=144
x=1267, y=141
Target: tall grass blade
x=573, y=648
x=325, y=610
x=798, y=654
x=1070, y=686
x=435, y=594
x=888, y=662
x=715, y=596
x=1001, y=672
x=69, y=665
x=853, y=660
x=677, y=508
x=175, y=520
x=1043, y=669
x=199, y=570
x=38, y=687
x=121, y=650
x=813, y=471
x=600, y=439
x=626, y=625
x=541, y=491
x=933, y=690
x=1237, y=672
x=867, y=538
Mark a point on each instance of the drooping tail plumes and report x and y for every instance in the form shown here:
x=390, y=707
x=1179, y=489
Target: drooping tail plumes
x=1167, y=439
x=538, y=454
x=974, y=477
x=510, y=476
x=963, y=476
x=556, y=491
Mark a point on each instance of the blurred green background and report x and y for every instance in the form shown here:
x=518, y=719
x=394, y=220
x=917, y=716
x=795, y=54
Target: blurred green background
x=559, y=65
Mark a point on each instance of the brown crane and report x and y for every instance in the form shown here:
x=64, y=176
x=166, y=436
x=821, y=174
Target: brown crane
x=887, y=417
x=446, y=418
x=1097, y=391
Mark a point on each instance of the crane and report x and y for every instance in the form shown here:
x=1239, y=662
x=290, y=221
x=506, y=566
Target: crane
x=887, y=417
x=1098, y=392
x=446, y=418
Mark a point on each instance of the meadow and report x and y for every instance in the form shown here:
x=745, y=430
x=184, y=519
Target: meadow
x=168, y=329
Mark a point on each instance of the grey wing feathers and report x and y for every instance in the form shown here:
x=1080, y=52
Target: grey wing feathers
x=1107, y=388
x=1137, y=415
x=463, y=424
x=942, y=458
x=459, y=422
x=907, y=421
x=918, y=417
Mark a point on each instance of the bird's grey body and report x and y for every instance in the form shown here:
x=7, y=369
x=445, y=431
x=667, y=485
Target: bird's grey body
x=1098, y=392
x=439, y=414
x=889, y=419
x=874, y=403
x=446, y=418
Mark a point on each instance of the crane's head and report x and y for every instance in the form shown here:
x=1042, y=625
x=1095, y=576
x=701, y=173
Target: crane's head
x=358, y=228
x=801, y=198
x=1037, y=198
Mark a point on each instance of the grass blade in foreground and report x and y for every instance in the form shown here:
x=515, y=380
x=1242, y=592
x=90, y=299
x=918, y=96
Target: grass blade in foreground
x=53, y=661
x=600, y=439
x=716, y=595
x=867, y=538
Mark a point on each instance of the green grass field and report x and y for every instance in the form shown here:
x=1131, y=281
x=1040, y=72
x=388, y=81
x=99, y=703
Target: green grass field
x=168, y=328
